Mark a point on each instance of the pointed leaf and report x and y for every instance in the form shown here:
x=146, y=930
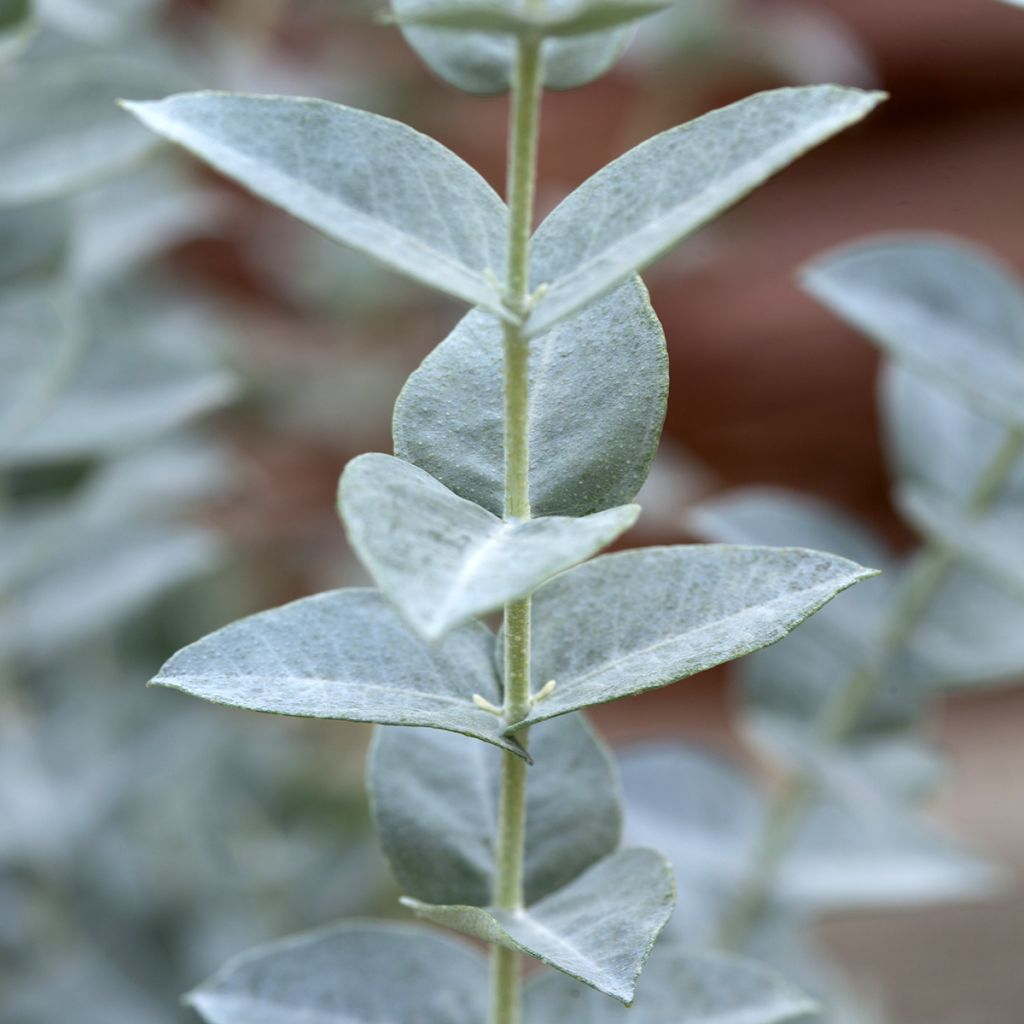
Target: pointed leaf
x=60, y=128
x=482, y=61
x=356, y=973
x=680, y=985
x=599, y=929
x=634, y=621
x=947, y=310
x=444, y=560
x=435, y=804
x=610, y=356
x=640, y=206
x=346, y=654
x=364, y=180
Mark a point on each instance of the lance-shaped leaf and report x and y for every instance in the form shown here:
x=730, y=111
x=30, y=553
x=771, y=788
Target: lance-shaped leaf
x=631, y=622
x=637, y=208
x=60, y=128
x=444, y=560
x=599, y=929
x=495, y=17
x=346, y=654
x=435, y=803
x=680, y=985
x=361, y=179
x=356, y=973
x=610, y=356
x=483, y=61
x=944, y=308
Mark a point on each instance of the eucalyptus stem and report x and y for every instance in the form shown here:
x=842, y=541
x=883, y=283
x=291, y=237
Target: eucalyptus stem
x=925, y=577
x=510, y=845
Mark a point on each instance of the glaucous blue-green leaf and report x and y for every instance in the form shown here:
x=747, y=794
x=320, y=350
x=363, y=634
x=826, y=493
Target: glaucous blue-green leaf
x=483, y=61
x=351, y=973
x=637, y=208
x=362, y=179
x=599, y=929
x=345, y=654
x=35, y=239
x=679, y=985
x=634, y=621
x=496, y=17
x=60, y=127
x=16, y=26
x=941, y=306
x=435, y=804
x=610, y=356
x=147, y=361
x=97, y=21
x=444, y=560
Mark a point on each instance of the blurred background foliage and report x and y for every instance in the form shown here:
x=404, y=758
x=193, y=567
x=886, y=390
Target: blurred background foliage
x=184, y=372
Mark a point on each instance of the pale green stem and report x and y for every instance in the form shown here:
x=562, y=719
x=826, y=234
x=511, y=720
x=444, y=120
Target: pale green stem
x=924, y=579
x=511, y=837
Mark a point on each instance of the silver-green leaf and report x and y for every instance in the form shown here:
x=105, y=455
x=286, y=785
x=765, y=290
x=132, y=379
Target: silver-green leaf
x=345, y=654
x=944, y=308
x=634, y=621
x=364, y=180
x=610, y=356
x=356, y=973
x=444, y=560
x=637, y=208
x=679, y=985
x=599, y=929
x=435, y=802
x=483, y=61
x=16, y=26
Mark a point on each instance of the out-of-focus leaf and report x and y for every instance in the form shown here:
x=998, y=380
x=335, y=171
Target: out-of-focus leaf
x=35, y=238
x=97, y=21
x=637, y=208
x=361, y=973
x=677, y=611
x=681, y=985
x=946, y=309
x=362, y=179
x=443, y=560
x=346, y=654
x=60, y=127
x=147, y=363
x=483, y=62
x=435, y=801
x=16, y=26
x=599, y=929
x=610, y=356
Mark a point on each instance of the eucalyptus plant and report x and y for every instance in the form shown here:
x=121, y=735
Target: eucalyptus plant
x=519, y=444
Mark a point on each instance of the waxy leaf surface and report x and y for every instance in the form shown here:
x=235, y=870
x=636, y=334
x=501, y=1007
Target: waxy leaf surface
x=435, y=803
x=352, y=973
x=599, y=929
x=640, y=206
x=637, y=620
x=362, y=179
x=945, y=309
x=346, y=654
x=609, y=357
x=444, y=560
x=483, y=62
x=61, y=130
x=678, y=985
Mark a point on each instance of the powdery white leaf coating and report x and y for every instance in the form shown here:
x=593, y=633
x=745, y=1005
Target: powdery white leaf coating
x=941, y=306
x=435, y=804
x=610, y=356
x=599, y=929
x=444, y=560
x=637, y=208
x=681, y=985
x=345, y=654
x=484, y=62
x=351, y=973
x=61, y=130
x=667, y=613
x=364, y=180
